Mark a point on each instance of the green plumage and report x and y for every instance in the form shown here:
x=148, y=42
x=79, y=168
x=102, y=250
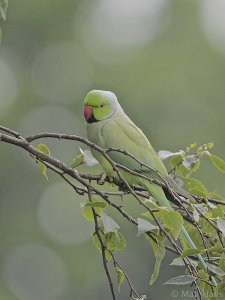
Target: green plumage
x=109, y=127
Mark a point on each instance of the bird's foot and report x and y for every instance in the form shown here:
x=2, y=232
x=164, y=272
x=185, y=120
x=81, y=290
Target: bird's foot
x=101, y=181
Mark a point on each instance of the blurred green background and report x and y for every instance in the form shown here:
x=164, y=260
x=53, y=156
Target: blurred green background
x=165, y=61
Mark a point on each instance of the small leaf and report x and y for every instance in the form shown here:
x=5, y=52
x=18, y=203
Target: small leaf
x=178, y=261
x=218, y=162
x=43, y=169
x=164, y=154
x=100, y=204
x=203, y=275
x=173, y=221
x=87, y=208
x=220, y=290
x=217, y=247
x=211, y=205
x=215, y=196
x=121, y=244
x=120, y=277
x=215, y=269
x=159, y=252
x=88, y=213
x=43, y=148
x=195, y=187
x=181, y=280
x=210, y=145
x=115, y=241
x=189, y=161
x=196, y=215
x=193, y=145
x=144, y=226
x=85, y=157
x=77, y=161
x=3, y=8
x=221, y=225
x=190, y=252
x=97, y=244
x=222, y=262
x=109, y=224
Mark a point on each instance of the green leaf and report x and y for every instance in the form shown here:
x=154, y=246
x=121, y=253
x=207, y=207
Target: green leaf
x=222, y=262
x=88, y=213
x=215, y=196
x=181, y=280
x=218, y=162
x=3, y=8
x=115, y=241
x=100, y=204
x=176, y=161
x=43, y=169
x=219, y=211
x=195, y=187
x=190, y=252
x=216, y=248
x=220, y=290
x=109, y=224
x=144, y=226
x=159, y=252
x=121, y=242
x=173, y=221
x=120, y=277
x=97, y=244
x=221, y=225
x=203, y=275
x=190, y=161
x=196, y=216
x=178, y=261
x=215, y=269
x=87, y=208
x=43, y=148
x=77, y=161
x=164, y=154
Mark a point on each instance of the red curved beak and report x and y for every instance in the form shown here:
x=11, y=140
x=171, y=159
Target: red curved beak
x=88, y=111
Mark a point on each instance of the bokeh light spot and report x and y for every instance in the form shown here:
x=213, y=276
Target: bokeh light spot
x=213, y=23
x=55, y=119
x=33, y=271
x=60, y=217
x=114, y=30
x=61, y=73
x=8, y=87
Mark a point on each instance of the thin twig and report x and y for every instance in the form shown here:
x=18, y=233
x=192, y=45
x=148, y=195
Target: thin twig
x=103, y=248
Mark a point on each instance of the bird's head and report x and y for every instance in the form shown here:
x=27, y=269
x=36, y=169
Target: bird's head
x=99, y=105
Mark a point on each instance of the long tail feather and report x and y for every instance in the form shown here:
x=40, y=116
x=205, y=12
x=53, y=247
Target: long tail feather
x=158, y=194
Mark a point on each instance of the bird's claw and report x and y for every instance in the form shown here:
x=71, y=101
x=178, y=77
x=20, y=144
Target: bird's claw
x=101, y=181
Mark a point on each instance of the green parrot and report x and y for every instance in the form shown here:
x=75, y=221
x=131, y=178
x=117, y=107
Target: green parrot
x=109, y=127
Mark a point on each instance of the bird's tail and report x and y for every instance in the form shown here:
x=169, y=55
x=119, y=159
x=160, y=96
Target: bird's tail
x=158, y=194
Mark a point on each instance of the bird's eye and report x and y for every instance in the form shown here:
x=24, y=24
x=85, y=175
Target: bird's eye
x=101, y=105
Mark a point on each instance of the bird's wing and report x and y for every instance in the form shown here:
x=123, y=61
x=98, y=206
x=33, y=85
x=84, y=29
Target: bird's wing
x=122, y=133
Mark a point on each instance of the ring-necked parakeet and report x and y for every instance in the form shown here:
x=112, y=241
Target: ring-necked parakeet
x=109, y=127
